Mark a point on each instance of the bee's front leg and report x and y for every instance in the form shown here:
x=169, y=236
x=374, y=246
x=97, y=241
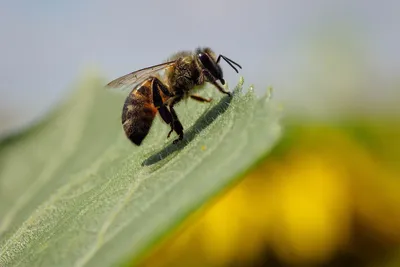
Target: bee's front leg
x=213, y=80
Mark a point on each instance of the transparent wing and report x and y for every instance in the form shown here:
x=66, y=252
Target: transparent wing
x=130, y=80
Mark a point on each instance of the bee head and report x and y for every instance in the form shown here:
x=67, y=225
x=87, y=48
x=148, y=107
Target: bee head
x=210, y=62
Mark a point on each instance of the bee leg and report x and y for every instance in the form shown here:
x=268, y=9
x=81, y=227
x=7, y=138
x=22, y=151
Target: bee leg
x=157, y=84
x=177, y=126
x=167, y=117
x=158, y=87
x=213, y=80
x=200, y=98
x=165, y=114
x=168, y=114
x=170, y=132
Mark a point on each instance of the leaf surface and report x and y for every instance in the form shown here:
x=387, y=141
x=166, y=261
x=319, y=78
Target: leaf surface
x=75, y=192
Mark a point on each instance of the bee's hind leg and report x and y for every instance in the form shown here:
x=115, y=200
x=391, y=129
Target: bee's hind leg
x=168, y=114
x=172, y=120
x=167, y=117
x=163, y=109
x=176, y=124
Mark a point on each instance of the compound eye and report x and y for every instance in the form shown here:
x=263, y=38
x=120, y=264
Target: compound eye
x=222, y=81
x=208, y=64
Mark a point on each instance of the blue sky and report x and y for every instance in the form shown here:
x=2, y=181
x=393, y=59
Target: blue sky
x=304, y=49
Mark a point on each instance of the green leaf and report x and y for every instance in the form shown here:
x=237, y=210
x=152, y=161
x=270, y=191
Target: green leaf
x=75, y=192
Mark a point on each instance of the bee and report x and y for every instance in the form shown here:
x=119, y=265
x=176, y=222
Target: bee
x=157, y=89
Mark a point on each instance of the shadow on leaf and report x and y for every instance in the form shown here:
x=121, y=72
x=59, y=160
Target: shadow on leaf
x=203, y=121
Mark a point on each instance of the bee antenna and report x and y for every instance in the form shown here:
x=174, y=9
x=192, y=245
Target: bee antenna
x=229, y=61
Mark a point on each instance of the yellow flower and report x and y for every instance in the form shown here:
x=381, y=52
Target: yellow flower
x=322, y=193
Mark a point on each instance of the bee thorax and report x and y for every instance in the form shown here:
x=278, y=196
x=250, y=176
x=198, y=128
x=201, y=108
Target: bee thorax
x=184, y=77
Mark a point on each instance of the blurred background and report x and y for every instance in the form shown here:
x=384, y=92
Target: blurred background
x=321, y=57
x=329, y=193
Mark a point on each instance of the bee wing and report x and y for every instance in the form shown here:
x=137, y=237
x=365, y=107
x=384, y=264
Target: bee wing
x=130, y=80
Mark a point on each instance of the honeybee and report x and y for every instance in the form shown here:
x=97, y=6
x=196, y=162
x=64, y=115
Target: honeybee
x=153, y=92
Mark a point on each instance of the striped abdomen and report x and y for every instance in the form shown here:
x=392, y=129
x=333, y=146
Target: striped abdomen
x=138, y=112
